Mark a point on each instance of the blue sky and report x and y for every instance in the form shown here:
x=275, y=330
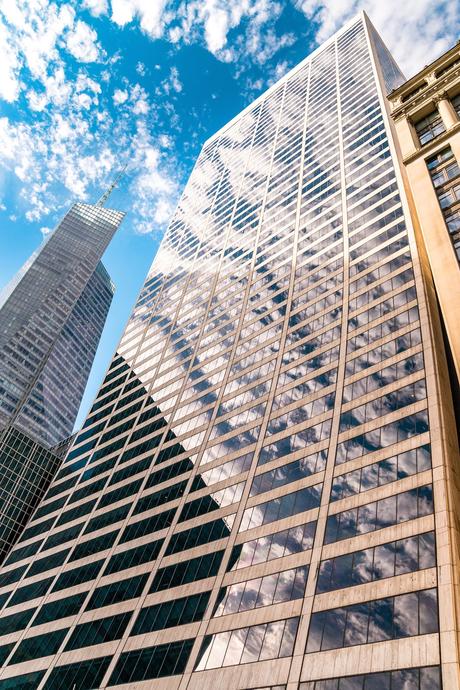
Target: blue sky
x=89, y=85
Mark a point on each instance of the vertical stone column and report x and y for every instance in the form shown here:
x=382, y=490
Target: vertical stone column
x=446, y=110
x=407, y=136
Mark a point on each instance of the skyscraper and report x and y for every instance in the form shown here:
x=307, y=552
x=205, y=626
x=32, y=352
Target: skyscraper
x=263, y=493
x=51, y=319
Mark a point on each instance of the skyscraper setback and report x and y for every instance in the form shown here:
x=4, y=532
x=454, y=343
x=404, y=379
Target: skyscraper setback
x=262, y=494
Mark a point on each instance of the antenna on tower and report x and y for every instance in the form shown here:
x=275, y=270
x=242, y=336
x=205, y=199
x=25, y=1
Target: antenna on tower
x=111, y=187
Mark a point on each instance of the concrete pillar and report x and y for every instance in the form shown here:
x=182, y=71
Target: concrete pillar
x=407, y=137
x=447, y=111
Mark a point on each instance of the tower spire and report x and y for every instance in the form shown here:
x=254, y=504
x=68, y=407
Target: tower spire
x=111, y=187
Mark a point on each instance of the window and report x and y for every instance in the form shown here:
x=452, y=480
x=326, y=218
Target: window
x=387, y=560
x=29, y=681
x=127, y=559
x=262, y=591
x=382, y=437
x=406, y=615
x=84, y=675
x=379, y=514
x=15, y=622
x=445, y=175
x=427, y=678
x=47, y=563
x=98, y=631
x=107, y=518
x=61, y=537
x=210, y=502
x=242, y=646
x=92, y=546
x=147, y=526
x=379, y=473
x=61, y=608
x=276, y=545
x=203, y=534
x=171, y=613
x=12, y=576
x=33, y=591
x=279, y=508
x=395, y=400
x=187, y=571
x=429, y=127
x=70, y=578
x=151, y=662
x=40, y=645
x=287, y=473
x=115, y=592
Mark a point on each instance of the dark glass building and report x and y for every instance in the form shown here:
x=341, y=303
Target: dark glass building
x=262, y=494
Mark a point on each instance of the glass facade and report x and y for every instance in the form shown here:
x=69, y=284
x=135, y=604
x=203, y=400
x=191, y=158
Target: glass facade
x=51, y=319
x=26, y=469
x=252, y=495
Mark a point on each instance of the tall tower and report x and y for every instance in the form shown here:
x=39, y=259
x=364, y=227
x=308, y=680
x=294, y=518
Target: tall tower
x=262, y=494
x=51, y=319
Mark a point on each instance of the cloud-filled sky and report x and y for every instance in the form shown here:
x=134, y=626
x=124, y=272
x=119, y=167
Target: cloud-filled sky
x=87, y=86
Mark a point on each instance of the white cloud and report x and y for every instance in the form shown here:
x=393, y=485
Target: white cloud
x=140, y=107
x=216, y=26
x=165, y=141
x=37, y=101
x=163, y=211
x=82, y=42
x=96, y=7
x=415, y=31
x=29, y=33
x=174, y=80
x=280, y=70
x=11, y=64
x=45, y=231
x=58, y=89
x=171, y=84
x=120, y=96
x=83, y=100
x=149, y=12
x=141, y=69
x=34, y=35
x=85, y=83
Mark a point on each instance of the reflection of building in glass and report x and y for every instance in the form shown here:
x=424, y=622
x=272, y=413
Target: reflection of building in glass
x=51, y=319
x=251, y=502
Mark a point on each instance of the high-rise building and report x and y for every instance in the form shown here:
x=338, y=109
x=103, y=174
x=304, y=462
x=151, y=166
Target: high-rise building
x=426, y=111
x=26, y=470
x=263, y=494
x=51, y=319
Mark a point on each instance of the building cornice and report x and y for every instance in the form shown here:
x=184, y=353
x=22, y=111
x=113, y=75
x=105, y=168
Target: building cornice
x=424, y=74
x=434, y=91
